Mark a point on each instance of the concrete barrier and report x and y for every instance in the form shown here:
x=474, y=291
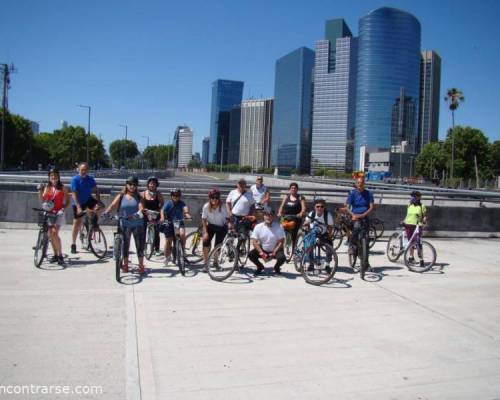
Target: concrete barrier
x=462, y=221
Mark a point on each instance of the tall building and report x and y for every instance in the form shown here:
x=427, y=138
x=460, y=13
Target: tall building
x=35, y=127
x=430, y=84
x=226, y=94
x=183, y=140
x=334, y=103
x=205, y=147
x=387, y=80
x=256, y=132
x=64, y=124
x=233, y=146
x=291, y=138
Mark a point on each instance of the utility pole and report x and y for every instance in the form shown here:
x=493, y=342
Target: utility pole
x=146, y=137
x=477, y=172
x=125, y=143
x=6, y=69
x=88, y=129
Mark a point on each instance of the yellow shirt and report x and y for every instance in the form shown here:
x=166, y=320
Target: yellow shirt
x=415, y=214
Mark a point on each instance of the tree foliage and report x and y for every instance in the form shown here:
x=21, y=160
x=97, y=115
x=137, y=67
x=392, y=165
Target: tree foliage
x=158, y=156
x=431, y=160
x=123, y=150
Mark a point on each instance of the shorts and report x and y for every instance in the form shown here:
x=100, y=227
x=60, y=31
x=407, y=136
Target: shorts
x=56, y=220
x=214, y=230
x=90, y=204
x=409, y=229
x=169, y=230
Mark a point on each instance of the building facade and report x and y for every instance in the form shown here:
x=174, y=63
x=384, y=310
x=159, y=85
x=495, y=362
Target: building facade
x=205, y=148
x=233, y=147
x=256, y=133
x=334, y=98
x=183, y=140
x=430, y=84
x=291, y=130
x=387, y=80
x=226, y=94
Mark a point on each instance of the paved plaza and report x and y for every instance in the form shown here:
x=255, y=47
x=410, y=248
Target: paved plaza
x=399, y=336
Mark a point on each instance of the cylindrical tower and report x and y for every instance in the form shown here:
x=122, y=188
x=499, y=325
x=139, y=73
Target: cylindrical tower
x=387, y=80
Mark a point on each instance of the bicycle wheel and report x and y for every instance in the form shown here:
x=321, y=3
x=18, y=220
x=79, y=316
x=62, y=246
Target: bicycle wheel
x=297, y=254
x=194, y=247
x=372, y=236
x=40, y=248
x=337, y=237
x=363, y=257
x=222, y=262
x=243, y=250
x=288, y=246
x=118, y=256
x=379, y=227
x=424, y=256
x=84, y=235
x=319, y=264
x=394, y=247
x=97, y=242
x=149, y=244
x=180, y=261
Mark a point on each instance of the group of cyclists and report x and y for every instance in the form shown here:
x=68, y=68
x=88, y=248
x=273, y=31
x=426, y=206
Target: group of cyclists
x=247, y=209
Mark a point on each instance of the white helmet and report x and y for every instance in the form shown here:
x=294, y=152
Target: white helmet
x=48, y=205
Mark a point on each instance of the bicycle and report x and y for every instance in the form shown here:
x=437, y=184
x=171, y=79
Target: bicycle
x=316, y=256
x=194, y=245
x=91, y=235
x=178, y=254
x=359, y=247
x=229, y=255
x=151, y=231
x=343, y=229
x=378, y=225
x=288, y=223
x=399, y=244
x=42, y=241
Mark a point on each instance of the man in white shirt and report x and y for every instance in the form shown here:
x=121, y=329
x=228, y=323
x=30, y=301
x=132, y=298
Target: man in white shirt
x=267, y=240
x=323, y=219
x=240, y=205
x=260, y=193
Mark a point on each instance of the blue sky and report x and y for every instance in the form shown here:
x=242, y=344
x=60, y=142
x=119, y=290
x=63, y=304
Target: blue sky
x=150, y=64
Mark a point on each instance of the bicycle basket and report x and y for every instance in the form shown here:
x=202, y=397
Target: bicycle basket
x=41, y=218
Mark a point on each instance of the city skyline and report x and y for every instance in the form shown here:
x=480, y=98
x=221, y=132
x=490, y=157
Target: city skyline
x=128, y=73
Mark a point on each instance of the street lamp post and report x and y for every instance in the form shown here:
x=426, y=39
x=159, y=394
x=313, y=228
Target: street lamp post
x=145, y=137
x=125, y=143
x=88, y=129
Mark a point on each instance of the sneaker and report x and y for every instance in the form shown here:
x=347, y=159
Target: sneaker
x=125, y=267
x=60, y=260
x=167, y=260
x=158, y=253
x=277, y=270
x=53, y=259
x=310, y=268
x=422, y=265
x=411, y=260
x=258, y=271
x=73, y=249
x=142, y=271
x=328, y=269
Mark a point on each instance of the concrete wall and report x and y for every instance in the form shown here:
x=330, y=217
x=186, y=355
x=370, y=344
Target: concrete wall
x=17, y=207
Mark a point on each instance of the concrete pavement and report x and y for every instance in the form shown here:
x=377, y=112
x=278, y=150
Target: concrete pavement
x=400, y=336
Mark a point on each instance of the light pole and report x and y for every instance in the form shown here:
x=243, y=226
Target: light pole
x=145, y=137
x=125, y=143
x=88, y=129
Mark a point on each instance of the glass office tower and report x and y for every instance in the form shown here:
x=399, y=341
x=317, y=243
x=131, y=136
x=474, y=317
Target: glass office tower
x=387, y=80
x=430, y=83
x=204, y=150
x=291, y=131
x=233, y=147
x=226, y=94
x=334, y=98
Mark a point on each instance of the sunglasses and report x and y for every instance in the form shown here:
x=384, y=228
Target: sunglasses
x=320, y=206
x=214, y=197
x=131, y=184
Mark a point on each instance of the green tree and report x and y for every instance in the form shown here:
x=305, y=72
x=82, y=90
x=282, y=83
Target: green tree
x=194, y=164
x=495, y=157
x=123, y=150
x=158, y=156
x=453, y=97
x=431, y=158
x=18, y=141
x=469, y=143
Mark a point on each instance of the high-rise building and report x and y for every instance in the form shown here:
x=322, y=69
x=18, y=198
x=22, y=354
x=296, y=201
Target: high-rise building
x=334, y=98
x=204, y=150
x=226, y=94
x=183, y=140
x=64, y=124
x=256, y=132
x=291, y=132
x=233, y=146
x=387, y=80
x=35, y=127
x=430, y=83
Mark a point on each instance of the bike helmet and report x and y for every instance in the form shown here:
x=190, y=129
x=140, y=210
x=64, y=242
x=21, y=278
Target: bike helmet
x=153, y=179
x=214, y=193
x=133, y=179
x=175, y=191
x=416, y=193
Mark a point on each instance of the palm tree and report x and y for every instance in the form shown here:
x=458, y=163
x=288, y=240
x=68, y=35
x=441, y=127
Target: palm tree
x=453, y=97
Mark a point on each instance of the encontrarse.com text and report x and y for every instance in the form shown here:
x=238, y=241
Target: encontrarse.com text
x=50, y=389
